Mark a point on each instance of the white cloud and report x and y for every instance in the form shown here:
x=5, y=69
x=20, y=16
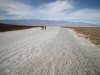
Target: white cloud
x=15, y=8
x=22, y=10
x=85, y=14
x=49, y=10
x=57, y=10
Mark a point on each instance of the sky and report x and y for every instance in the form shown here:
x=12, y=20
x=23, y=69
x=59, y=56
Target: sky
x=87, y=11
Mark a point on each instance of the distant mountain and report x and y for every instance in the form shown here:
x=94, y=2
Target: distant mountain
x=46, y=22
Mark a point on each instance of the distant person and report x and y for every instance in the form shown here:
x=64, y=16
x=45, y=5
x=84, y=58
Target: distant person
x=45, y=27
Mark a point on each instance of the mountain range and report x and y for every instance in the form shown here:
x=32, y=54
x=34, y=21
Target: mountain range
x=46, y=22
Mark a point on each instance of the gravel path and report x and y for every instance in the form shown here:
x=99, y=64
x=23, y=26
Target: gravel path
x=54, y=51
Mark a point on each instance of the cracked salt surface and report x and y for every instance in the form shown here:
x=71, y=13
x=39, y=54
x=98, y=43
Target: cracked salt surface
x=54, y=51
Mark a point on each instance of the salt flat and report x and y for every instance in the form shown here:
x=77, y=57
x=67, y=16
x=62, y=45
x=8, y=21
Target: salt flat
x=54, y=51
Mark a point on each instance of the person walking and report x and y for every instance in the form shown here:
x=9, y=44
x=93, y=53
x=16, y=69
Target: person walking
x=45, y=27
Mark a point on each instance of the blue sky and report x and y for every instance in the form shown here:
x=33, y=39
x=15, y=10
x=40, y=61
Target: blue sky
x=69, y=10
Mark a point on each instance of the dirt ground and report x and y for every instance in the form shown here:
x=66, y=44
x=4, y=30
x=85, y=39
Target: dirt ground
x=92, y=33
x=8, y=27
x=54, y=51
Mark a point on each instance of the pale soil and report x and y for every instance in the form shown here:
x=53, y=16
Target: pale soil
x=91, y=33
x=55, y=51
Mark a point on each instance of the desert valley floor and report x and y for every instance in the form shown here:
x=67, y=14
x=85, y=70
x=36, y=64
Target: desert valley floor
x=54, y=51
